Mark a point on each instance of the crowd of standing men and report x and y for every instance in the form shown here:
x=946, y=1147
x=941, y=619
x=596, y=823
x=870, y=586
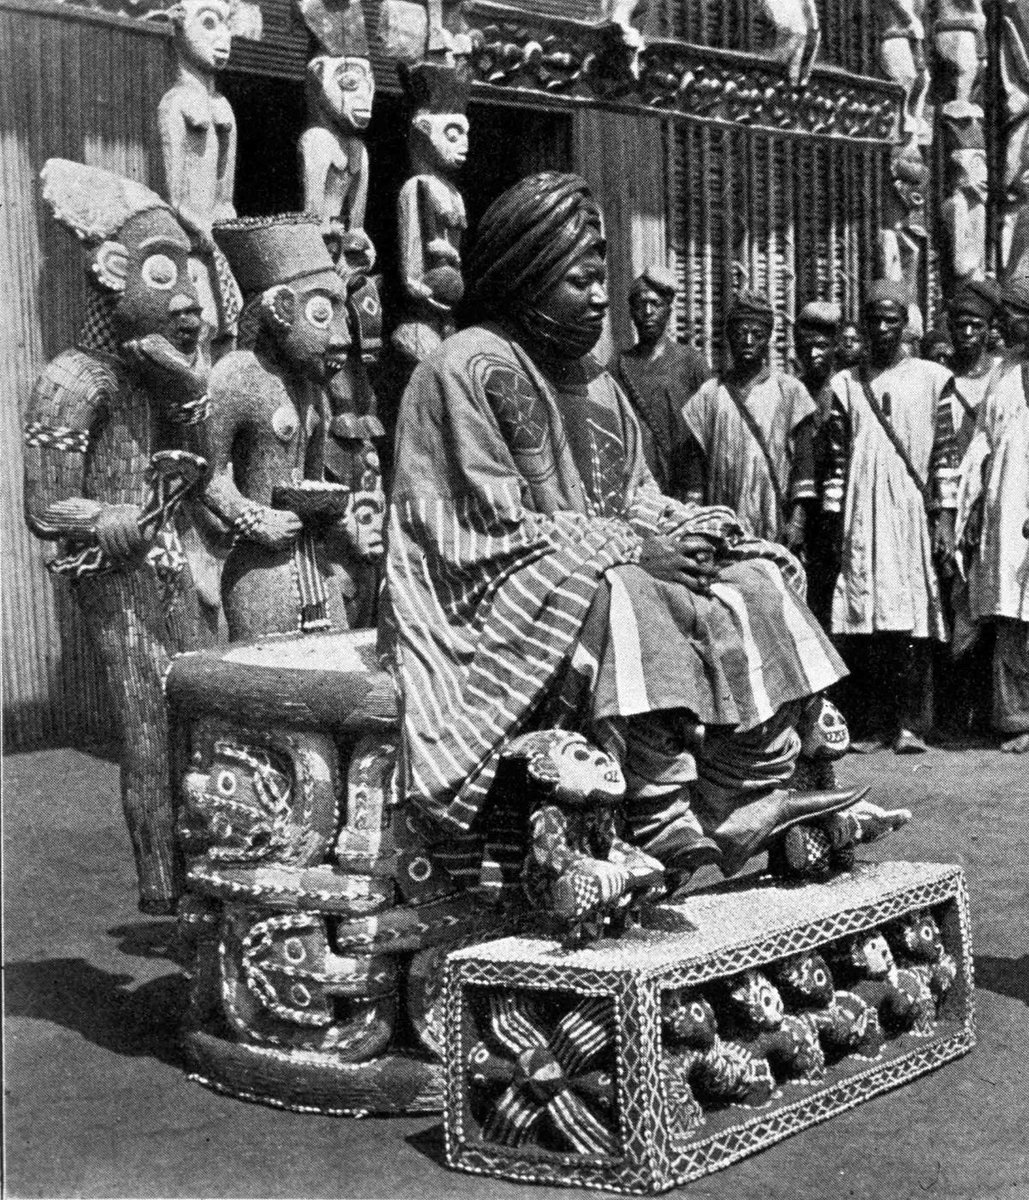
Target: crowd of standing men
x=901, y=481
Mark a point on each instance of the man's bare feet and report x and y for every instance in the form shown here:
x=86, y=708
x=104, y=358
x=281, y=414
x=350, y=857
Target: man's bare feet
x=1016, y=745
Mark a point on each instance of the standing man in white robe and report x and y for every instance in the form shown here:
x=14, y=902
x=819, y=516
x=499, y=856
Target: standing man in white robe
x=993, y=523
x=891, y=481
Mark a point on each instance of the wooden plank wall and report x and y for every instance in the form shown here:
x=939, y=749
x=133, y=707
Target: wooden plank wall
x=623, y=158
x=85, y=89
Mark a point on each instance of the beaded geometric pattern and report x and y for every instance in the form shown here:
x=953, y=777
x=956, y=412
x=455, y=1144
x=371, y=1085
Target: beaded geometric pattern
x=567, y=1067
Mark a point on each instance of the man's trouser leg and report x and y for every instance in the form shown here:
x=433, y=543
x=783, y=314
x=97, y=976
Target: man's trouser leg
x=1011, y=677
x=660, y=770
x=133, y=634
x=913, y=685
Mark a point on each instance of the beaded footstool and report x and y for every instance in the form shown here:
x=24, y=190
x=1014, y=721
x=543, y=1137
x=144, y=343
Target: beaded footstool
x=641, y=1063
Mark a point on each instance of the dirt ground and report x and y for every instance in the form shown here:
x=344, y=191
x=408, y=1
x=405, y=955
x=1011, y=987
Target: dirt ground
x=96, y=1105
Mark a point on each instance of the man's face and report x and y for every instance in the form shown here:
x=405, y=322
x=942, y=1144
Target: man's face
x=159, y=296
x=969, y=333
x=748, y=339
x=650, y=311
x=578, y=301
x=1016, y=329
x=884, y=324
x=447, y=134
x=816, y=351
x=204, y=37
x=850, y=346
x=317, y=341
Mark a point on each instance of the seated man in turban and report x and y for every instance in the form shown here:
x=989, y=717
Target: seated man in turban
x=536, y=574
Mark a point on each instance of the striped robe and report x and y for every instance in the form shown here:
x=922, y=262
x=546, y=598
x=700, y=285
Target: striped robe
x=500, y=549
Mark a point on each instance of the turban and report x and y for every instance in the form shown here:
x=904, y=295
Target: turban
x=1015, y=296
x=887, y=291
x=749, y=306
x=977, y=298
x=820, y=314
x=659, y=279
x=528, y=238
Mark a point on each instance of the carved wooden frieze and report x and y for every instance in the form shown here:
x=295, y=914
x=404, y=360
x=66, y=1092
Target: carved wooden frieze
x=557, y=58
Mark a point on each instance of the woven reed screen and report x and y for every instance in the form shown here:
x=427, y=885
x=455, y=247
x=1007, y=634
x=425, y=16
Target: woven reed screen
x=85, y=89
x=793, y=218
x=848, y=28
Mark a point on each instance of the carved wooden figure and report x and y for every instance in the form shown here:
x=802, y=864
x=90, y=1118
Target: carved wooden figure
x=333, y=157
x=431, y=211
x=1014, y=71
x=301, y=542
x=413, y=31
x=902, y=48
x=959, y=38
x=102, y=419
x=798, y=35
x=198, y=143
x=904, y=237
x=963, y=212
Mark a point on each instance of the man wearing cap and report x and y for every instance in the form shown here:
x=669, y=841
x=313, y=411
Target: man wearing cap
x=817, y=331
x=993, y=522
x=891, y=485
x=752, y=433
x=133, y=385
x=536, y=574
x=659, y=374
x=971, y=312
x=286, y=573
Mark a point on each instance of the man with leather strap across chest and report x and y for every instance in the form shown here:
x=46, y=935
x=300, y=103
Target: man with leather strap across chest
x=891, y=479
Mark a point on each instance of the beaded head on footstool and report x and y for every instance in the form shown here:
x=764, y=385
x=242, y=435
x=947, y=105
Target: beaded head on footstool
x=578, y=870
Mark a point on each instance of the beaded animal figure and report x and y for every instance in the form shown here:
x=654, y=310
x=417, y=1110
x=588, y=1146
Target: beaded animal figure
x=917, y=944
x=752, y=1015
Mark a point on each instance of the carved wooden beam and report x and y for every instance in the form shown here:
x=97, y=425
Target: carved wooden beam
x=525, y=57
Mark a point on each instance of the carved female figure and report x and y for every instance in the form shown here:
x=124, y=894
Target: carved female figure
x=301, y=544
x=333, y=158
x=431, y=214
x=198, y=142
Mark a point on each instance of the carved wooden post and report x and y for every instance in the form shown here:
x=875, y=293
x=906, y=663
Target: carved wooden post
x=198, y=142
x=431, y=212
x=1014, y=73
x=333, y=156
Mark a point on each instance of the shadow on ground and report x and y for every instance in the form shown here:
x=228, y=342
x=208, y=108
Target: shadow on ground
x=100, y=1006
x=1005, y=976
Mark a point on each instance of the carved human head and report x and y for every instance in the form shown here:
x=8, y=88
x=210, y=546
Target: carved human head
x=203, y=36
x=650, y=303
x=343, y=87
x=971, y=170
x=567, y=769
x=285, y=272
x=538, y=264
x=138, y=251
x=437, y=96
